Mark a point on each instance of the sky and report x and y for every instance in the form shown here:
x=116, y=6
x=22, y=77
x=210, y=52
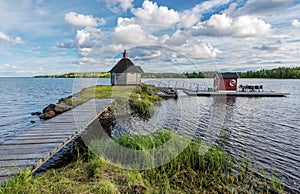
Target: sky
x=39, y=37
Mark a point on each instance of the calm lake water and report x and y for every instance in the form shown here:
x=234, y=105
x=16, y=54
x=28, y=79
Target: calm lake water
x=22, y=96
x=265, y=130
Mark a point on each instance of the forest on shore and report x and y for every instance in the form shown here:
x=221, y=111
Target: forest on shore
x=276, y=73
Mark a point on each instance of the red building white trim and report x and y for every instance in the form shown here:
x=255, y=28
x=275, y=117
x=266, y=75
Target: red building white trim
x=225, y=81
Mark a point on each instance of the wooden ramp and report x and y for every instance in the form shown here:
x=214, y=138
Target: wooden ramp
x=34, y=146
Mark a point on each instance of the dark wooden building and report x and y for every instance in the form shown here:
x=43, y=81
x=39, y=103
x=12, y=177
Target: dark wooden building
x=225, y=81
x=125, y=72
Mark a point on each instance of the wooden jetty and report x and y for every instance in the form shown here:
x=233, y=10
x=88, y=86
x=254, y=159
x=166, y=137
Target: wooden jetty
x=195, y=92
x=224, y=84
x=32, y=147
x=236, y=94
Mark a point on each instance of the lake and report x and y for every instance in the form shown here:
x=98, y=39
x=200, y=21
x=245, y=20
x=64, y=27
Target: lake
x=264, y=130
x=22, y=96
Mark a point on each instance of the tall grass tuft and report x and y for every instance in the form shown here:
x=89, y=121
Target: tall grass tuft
x=19, y=181
x=144, y=105
x=190, y=172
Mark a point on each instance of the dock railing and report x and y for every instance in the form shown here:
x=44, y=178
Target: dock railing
x=178, y=84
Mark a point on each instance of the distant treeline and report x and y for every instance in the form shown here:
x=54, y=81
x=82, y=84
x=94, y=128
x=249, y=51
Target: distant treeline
x=277, y=73
x=78, y=75
x=206, y=74
x=163, y=75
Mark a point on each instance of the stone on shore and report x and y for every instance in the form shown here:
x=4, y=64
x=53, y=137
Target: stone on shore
x=48, y=115
x=61, y=108
x=50, y=107
x=36, y=113
x=106, y=119
x=55, y=109
x=167, y=94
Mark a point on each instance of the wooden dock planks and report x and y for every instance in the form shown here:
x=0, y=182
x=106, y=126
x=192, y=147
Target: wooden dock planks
x=236, y=94
x=34, y=146
x=193, y=92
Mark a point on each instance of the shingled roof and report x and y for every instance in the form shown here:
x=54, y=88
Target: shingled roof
x=125, y=65
x=228, y=75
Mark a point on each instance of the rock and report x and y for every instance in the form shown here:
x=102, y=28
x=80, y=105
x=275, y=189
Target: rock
x=32, y=121
x=54, y=109
x=48, y=115
x=105, y=114
x=50, y=107
x=64, y=99
x=62, y=107
x=166, y=94
x=61, y=100
x=51, y=113
x=139, y=96
x=106, y=120
x=36, y=113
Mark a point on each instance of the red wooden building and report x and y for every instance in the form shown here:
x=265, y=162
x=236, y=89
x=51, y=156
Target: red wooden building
x=225, y=81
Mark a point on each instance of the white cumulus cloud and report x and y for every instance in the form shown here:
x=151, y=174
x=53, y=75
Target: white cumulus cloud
x=7, y=38
x=18, y=40
x=9, y=66
x=80, y=20
x=261, y=7
x=86, y=39
x=190, y=46
x=4, y=37
x=119, y=5
x=223, y=25
x=89, y=61
x=188, y=19
x=128, y=33
x=198, y=50
x=296, y=23
x=208, y=5
x=151, y=13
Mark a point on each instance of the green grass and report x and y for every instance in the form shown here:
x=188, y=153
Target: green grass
x=88, y=93
x=144, y=107
x=189, y=172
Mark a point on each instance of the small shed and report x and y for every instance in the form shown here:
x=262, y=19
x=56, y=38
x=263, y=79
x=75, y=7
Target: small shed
x=225, y=81
x=125, y=72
